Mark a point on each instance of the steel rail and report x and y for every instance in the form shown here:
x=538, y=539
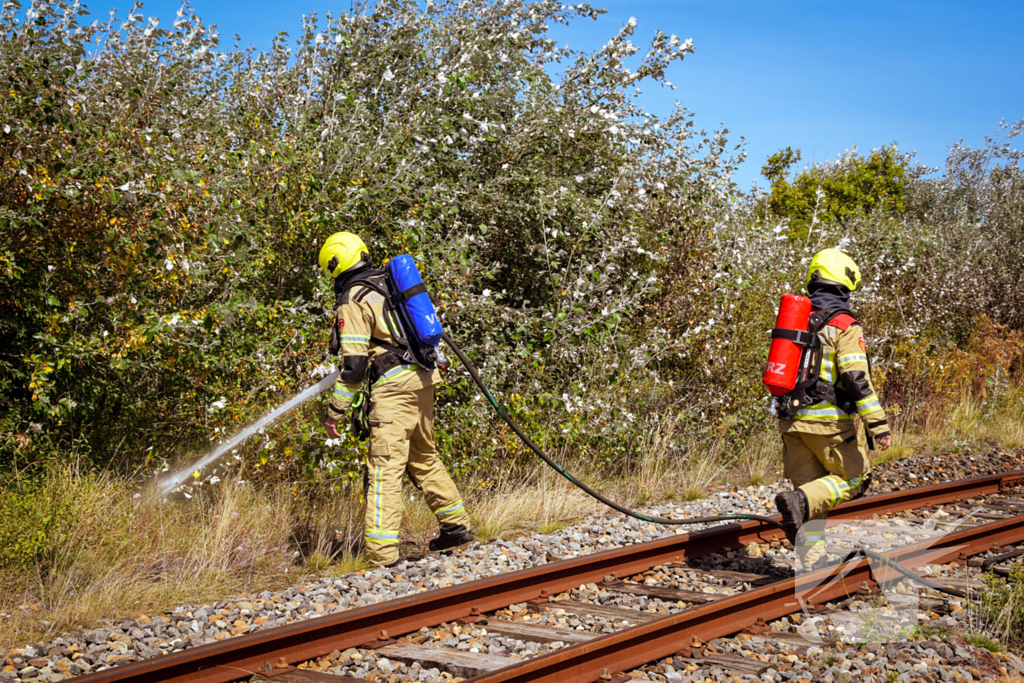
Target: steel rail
x=240, y=656
x=639, y=645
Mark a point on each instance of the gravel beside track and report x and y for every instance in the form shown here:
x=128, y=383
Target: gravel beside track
x=111, y=644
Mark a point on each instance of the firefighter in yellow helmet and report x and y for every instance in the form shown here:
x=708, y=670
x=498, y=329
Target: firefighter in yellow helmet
x=822, y=455
x=401, y=405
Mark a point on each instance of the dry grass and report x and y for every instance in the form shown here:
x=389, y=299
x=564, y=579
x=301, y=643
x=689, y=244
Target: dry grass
x=972, y=422
x=532, y=500
x=760, y=459
x=996, y=620
x=119, y=552
x=671, y=470
x=539, y=500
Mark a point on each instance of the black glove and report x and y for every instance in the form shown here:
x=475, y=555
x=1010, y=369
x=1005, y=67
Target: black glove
x=359, y=415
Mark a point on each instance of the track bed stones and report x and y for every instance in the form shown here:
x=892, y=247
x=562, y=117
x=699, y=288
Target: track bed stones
x=187, y=626
x=774, y=657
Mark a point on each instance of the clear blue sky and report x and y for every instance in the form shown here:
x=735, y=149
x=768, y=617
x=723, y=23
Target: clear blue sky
x=820, y=75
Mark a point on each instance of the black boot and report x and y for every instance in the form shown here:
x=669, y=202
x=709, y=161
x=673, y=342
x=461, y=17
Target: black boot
x=793, y=506
x=452, y=535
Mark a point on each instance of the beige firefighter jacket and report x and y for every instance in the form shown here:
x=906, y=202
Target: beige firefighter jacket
x=844, y=352
x=360, y=320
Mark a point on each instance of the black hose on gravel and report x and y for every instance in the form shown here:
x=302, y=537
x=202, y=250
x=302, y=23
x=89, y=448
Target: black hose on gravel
x=558, y=468
x=914, y=576
x=1002, y=558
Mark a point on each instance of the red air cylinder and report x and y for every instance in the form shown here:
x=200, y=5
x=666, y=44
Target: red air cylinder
x=784, y=358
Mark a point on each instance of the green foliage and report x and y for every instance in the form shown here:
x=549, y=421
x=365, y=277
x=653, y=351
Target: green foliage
x=36, y=514
x=984, y=641
x=163, y=197
x=855, y=186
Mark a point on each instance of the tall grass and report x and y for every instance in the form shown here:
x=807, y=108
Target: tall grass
x=998, y=615
x=110, y=550
x=970, y=422
x=113, y=551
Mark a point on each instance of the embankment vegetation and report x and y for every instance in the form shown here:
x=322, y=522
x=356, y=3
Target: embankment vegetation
x=163, y=194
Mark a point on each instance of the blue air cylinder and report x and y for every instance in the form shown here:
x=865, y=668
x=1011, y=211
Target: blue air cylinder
x=413, y=298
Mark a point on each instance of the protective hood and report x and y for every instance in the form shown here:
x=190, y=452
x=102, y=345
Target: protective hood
x=342, y=282
x=827, y=295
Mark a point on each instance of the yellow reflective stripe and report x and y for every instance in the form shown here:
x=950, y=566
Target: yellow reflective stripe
x=378, y=494
x=380, y=541
x=830, y=481
x=840, y=416
x=850, y=358
x=393, y=373
x=851, y=484
x=827, y=366
x=355, y=339
x=813, y=537
x=868, y=405
x=822, y=411
x=345, y=393
x=826, y=373
x=449, y=509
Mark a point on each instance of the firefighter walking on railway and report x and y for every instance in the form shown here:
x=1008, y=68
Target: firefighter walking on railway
x=822, y=454
x=399, y=413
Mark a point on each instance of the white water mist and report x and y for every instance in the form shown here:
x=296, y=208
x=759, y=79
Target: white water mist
x=173, y=481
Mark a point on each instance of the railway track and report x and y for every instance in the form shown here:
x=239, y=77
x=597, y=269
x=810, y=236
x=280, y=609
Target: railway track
x=593, y=617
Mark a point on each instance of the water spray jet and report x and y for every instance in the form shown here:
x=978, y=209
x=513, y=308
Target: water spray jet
x=174, y=480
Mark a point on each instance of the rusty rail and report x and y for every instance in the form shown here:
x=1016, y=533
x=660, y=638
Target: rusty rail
x=664, y=637
x=241, y=656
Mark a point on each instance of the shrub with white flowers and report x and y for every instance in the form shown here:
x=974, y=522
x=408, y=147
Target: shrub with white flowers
x=163, y=196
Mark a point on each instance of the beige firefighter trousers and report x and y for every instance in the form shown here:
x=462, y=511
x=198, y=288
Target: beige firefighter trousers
x=402, y=440
x=830, y=469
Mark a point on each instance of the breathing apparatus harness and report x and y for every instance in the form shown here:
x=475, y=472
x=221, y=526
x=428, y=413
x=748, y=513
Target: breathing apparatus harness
x=810, y=388
x=793, y=374
x=419, y=346
x=404, y=350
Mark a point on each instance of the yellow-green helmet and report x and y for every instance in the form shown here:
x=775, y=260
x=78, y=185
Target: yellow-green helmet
x=833, y=265
x=341, y=251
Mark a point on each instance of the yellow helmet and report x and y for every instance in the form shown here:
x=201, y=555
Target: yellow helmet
x=834, y=266
x=341, y=251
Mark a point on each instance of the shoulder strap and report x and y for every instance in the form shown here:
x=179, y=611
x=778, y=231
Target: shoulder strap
x=843, y=321
x=836, y=317
x=368, y=277
x=371, y=285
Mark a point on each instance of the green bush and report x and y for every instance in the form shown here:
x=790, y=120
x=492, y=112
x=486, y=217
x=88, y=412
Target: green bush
x=854, y=186
x=999, y=613
x=163, y=197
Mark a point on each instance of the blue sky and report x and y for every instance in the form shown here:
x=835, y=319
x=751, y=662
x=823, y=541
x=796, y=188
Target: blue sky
x=820, y=76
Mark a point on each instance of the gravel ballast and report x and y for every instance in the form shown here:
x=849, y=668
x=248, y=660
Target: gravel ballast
x=112, y=644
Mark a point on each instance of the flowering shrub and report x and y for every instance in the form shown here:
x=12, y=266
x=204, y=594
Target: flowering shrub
x=163, y=198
